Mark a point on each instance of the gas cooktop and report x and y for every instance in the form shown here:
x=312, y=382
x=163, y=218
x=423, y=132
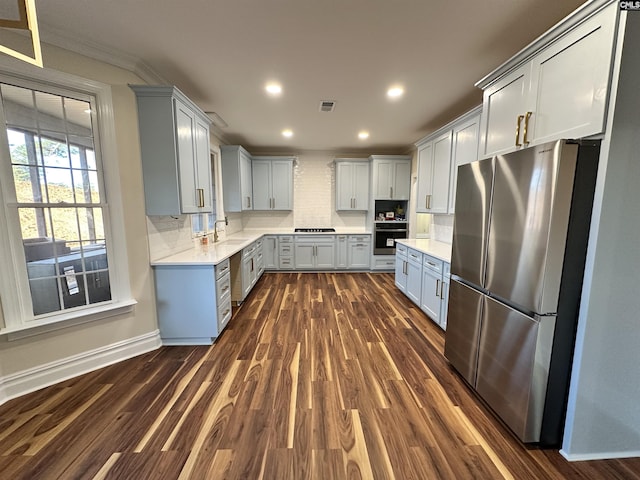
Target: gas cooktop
x=308, y=230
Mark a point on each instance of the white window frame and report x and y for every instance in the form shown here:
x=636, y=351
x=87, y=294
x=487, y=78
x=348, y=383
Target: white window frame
x=19, y=320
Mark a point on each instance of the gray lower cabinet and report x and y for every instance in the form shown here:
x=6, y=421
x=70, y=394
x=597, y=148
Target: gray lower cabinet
x=425, y=280
x=246, y=268
x=315, y=252
x=359, y=252
x=285, y=252
x=401, y=268
x=270, y=252
x=342, y=249
x=193, y=302
x=414, y=276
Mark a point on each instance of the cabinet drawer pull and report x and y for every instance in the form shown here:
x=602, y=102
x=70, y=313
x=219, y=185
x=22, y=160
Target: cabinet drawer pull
x=225, y=288
x=526, y=127
x=431, y=263
x=520, y=117
x=224, y=314
x=437, y=286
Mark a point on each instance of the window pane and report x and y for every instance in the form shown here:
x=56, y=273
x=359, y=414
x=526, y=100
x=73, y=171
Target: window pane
x=29, y=183
x=65, y=224
x=50, y=113
x=36, y=227
x=18, y=107
x=86, y=186
x=91, y=226
x=73, y=286
x=54, y=152
x=59, y=185
x=96, y=260
x=44, y=295
x=99, y=288
x=78, y=115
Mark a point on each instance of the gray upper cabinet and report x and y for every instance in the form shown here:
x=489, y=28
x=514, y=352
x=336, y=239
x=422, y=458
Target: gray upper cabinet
x=236, y=178
x=272, y=183
x=439, y=156
x=174, y=143
x=391, y=177
x=352, y=184
x=555, y=88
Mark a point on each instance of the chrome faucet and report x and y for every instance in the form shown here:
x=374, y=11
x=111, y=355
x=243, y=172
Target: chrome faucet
x=215, y=228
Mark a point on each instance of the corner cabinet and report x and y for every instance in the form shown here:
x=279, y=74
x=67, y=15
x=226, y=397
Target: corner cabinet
x=272, y=183
x=391, y=177
x=176, y=158
x=352, y=184
x=236, y=178
x=193, y=302
x=556, y=88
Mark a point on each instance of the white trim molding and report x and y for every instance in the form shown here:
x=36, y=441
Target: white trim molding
x=33, y=379
x=583, y=457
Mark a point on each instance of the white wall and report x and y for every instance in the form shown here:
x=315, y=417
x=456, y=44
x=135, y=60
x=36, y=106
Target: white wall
x=46, y=349
x=603, y=419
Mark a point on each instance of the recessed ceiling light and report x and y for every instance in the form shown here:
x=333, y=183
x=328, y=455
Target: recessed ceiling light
x=273, y=88
x=363, y=135
x=287, y=133
x=395, y=92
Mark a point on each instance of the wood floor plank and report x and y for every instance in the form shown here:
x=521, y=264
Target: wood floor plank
x=318, y=375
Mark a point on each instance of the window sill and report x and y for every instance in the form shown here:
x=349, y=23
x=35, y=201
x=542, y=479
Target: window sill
x=65, y=320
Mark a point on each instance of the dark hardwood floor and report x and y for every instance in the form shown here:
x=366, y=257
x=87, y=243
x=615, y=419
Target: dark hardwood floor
x=321, y=376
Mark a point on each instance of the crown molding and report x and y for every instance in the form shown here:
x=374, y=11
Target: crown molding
x=96, y=51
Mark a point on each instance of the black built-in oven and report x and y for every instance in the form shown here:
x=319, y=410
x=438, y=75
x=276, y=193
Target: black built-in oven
x=385, y=235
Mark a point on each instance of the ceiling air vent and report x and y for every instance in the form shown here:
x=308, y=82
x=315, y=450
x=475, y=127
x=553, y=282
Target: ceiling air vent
x=327, y=105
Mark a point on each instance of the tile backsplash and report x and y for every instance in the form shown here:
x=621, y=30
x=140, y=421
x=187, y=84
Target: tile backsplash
x=168, y=235
x=442, y=228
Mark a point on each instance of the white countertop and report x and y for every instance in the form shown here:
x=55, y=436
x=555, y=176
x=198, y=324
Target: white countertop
x=434, y=248
x=218, y=252
x=213, y=254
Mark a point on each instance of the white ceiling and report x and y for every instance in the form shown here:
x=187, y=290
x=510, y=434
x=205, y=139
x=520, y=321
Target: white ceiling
x=221, y=53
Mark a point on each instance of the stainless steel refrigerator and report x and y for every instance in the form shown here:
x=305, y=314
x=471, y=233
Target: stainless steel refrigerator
x=519, y=244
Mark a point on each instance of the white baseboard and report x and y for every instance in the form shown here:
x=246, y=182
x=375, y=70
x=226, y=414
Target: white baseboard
x=583, y=457
x=33, y=379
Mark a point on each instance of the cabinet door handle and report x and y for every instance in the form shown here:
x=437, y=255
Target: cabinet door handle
x=520, y=117
x=390, y=192
x=442, y=289
x=437, y=286
x=200, y=194
x=248, y=202
x=526, y=127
